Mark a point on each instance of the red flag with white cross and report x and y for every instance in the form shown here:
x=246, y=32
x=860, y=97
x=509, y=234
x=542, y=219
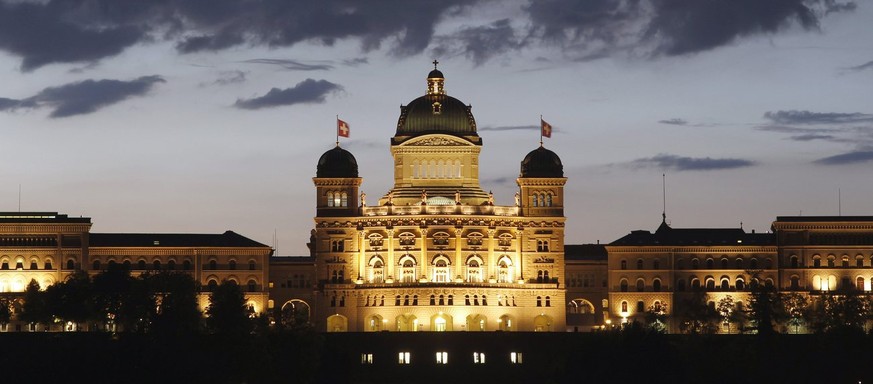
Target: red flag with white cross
x=342, y=128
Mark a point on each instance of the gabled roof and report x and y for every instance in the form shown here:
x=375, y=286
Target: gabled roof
x=228, y=239
x=665, y=235
x=587, y=252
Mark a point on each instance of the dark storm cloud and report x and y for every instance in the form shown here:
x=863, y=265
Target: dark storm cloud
x=669, y=27
x=673, y=122
x=854, y=157
x=84, y=97
x=44, y=34
x=64, y=31
x=293, y=65
x=307, y=91
x=481, y=43
x=807, y=117
x=682, y=163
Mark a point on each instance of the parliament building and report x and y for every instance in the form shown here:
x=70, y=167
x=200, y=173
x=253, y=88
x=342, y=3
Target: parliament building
x=435, y=253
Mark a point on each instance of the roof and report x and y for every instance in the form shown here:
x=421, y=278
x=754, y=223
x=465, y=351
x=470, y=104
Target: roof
x=822, y=219
x=337, y=162
x=227, y=239
x=665, y=235
x=585, y=252
x=542, y=162
x=40, y=217
x=292, y=259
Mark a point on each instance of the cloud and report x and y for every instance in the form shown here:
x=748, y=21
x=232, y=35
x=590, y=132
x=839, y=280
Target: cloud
x=681, y=163
x=356, y=61
x=292, y=65
x=854, y=157
x=811, y=137
x=673, y=121
x=83, y=97
x=481, y=43
x=513, y=128
x=668, y=27
x=230, y=77
x=499, y=181
x=306, y=92
x=867, y=65
x=807, y=117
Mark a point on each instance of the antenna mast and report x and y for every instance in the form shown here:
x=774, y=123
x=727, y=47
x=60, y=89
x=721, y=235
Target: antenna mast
x=664, y=196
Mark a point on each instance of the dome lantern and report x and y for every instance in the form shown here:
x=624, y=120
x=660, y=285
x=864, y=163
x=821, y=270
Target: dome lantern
x=436, y=81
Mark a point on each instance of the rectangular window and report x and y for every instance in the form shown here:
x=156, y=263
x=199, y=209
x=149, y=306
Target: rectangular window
x=478, y=358
x=442, y=357
x=366, y=358
x=403, y=358
x=515, y=357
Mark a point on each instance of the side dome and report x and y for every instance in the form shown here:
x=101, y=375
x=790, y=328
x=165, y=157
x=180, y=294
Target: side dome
x=337, y=162
x=542, y=162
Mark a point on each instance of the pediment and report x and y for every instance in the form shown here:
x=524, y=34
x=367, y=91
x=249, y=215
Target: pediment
x=437, y=141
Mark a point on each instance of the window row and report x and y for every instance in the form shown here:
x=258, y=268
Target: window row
x=231, y=265
x=641, y=307
x=441, y=358
x=829, y=283
x=436, y=169
x=337, y=199
x=541, y=200
x=440, y=270
x=32, y=265
x=251, y=285
x=141, y=265
x=831, y=261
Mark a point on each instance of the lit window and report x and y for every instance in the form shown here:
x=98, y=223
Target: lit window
x=442, y=357
x=478, y=358
x=515, y=357
x=366, y=358
x=403, y=358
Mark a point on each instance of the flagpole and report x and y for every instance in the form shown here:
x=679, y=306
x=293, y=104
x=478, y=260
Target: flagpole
x=337, y=130
x=541, y=130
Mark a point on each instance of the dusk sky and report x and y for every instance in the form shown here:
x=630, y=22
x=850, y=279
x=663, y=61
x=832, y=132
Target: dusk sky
x=200, y=116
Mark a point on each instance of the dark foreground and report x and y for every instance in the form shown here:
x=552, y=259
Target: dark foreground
x=307, y=357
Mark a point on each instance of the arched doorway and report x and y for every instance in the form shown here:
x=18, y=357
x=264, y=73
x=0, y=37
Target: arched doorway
x=506, y=323
x=295, y=312
x=476, y=323
x=441, y=322
x=542, y=323
x=374, y=324
x=337, y=323
x=407, y=323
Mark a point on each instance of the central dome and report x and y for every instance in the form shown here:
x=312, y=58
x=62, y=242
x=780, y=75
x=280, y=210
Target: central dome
x=436, y=112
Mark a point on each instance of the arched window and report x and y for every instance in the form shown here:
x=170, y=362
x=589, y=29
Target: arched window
x=624, y=285
x=641, y=306
x=624, y=306
x=548, y=200
x=695, y=284
x=251, y=265
x=641, y=285
x=624, y=264
x=740, y=284
x=504, y=270
x=640, y=264
x=816, y=261
x=536, y=202
x=157, y=265
x=680, y=285
x=656, y=285
x=231, y=265
x=724, y=263
x=859, y=261
x=793, y=261
x=377, y=270
x=211, y=285
x=344, y=199
x=859, y=284
x=330, y=199
x=753, y=264
x=171, y=265
x=252, y=285
x=739, y=263
x=474, y=270
x=845, y=261
x=795, y=283
x=831, y=259
x=141, y=265
x=725, y=284
x=441, y=269
x=656, y=264
x=710, y=264
x=407, y=269
x=33, y=264
x=768, y=263
x=96, y=265
x=548, y=300
x=212, y=264
x=71, y=264
x=695, y=263
x=710, y=284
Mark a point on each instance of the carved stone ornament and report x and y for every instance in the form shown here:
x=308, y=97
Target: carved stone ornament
x=435, y=141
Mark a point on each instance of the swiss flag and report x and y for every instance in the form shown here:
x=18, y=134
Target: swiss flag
x=546, y=128
x=342, y=128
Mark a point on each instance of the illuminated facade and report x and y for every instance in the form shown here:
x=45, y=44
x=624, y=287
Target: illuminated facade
x=435, y=253
x=48, y=247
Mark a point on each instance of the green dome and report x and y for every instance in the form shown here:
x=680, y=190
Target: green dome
x=436, y=113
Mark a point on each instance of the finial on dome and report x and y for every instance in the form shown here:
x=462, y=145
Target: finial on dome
x=435, y=81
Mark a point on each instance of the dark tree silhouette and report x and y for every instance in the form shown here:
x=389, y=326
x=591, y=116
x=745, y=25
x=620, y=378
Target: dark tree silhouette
x=35, y=309
x=228, y=313
x=73, y=299
x=5, y=311
x=177, y=313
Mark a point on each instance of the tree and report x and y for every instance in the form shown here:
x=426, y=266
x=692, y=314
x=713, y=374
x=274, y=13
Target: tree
x=73, y=299
x=725, y=309
x=846, y=310
x=656, y=317
x=112, y=289
x=5, y=311
x=35, y=310
x=177, y=313
x=695, y=314
x=228, y=313
x=795, y=306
